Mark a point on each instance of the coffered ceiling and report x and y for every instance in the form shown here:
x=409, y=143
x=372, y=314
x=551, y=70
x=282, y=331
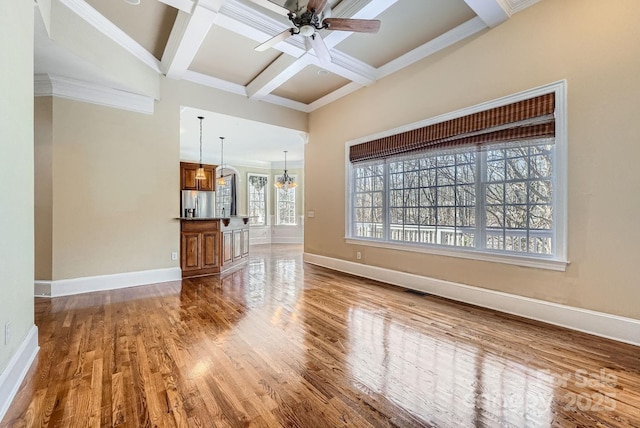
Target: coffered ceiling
x=212, y=42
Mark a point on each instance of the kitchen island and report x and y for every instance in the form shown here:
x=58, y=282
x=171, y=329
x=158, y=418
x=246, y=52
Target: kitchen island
x=213, y=245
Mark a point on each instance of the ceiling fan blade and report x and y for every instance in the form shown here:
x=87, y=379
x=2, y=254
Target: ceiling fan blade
x=322, y=52
x=317, y=5
x=274, y=40
x=357, y=25
x=272, y=6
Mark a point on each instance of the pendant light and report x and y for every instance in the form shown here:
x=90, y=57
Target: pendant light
x=285, y=182
x=200, y=171
x=221, y=180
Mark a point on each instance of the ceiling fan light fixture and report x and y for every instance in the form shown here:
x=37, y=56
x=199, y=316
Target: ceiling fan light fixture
x=133, y=2
x=307, y=30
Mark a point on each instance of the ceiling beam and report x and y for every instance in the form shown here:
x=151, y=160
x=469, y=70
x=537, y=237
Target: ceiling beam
x=187, y=35
x=342, y=65
x=280, y=70
x=492, y=12
x=253, y=24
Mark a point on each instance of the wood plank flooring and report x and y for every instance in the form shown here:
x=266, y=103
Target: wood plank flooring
x=280, y=343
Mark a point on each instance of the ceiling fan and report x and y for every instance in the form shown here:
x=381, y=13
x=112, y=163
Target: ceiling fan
x=308, y=22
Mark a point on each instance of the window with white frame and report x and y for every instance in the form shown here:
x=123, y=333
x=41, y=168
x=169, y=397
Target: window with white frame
x=257, y=195
x=494, y=190
x=224, y=196
x=286, y=206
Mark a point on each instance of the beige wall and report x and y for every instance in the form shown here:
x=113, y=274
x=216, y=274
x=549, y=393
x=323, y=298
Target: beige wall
x=115, y=178
x=16, y=174
x=594, y=47
x=43, y=186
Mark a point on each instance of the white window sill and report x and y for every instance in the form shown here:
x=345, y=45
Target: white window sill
x=511, y=259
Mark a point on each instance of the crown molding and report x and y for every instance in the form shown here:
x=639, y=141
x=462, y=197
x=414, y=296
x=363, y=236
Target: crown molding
x=286, y=102
x=106, y=27
x=297, y=164
x=214, y=82
x=335, y=95
x=514, y=6
x=46, y=85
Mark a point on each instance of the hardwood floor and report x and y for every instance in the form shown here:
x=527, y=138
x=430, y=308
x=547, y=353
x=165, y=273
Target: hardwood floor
x=279, y=343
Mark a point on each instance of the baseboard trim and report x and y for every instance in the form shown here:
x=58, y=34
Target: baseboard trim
x=11, y=378
x=88, y=284
x=610, y=326
x=259, y=241
x=287, y=240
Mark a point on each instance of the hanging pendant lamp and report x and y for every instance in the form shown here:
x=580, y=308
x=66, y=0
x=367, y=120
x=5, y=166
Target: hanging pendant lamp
x=200, y=171
x=221, y=180
x=285, y=182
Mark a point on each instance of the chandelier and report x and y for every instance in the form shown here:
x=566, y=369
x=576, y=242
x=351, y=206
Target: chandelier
x=285, y=182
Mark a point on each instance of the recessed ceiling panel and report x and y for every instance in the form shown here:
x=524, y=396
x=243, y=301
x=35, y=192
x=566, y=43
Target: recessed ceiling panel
x=148, y=23
x=405, y=26
x=310, y=84
x=231, y=57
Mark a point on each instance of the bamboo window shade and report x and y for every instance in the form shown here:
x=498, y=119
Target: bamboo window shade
x=527, y=119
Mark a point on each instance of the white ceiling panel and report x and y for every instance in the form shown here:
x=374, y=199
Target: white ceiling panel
x=148, y=23
x=310, y=84
x=405, y=26
x=231, y=57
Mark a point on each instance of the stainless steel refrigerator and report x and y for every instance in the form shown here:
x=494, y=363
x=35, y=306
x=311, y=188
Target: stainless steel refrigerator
x=203, y=203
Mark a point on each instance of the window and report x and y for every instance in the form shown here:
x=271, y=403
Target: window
x=257, y=199
x=490, y=194
x=286, y=206
x=224, y=197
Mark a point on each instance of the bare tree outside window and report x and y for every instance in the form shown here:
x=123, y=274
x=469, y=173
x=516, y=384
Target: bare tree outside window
x=286, y=206
x=257, y=199
x=499, y=198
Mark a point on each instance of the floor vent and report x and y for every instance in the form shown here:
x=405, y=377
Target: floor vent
x=416, y=292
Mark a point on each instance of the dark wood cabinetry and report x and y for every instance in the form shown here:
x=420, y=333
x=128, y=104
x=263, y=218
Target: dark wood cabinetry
x=200, y=248
x=188, y=177
x=213, y=245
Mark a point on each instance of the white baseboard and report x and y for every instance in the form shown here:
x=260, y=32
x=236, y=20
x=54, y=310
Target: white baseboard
x=11, y=378
x=259, y=240
x=287, y=240
x=68, y=287
x=614, y=327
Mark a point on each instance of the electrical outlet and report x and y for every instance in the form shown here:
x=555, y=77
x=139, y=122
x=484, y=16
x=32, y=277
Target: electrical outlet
x=174, y=255
x=7, y=333
x=311, y=214
x=358, y=255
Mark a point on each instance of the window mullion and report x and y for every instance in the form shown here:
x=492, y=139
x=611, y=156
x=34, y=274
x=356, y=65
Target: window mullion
x=385, y=201
x=481, y=218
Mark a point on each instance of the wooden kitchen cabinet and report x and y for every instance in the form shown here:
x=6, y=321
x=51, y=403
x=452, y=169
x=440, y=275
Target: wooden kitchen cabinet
x=200, y=248
x=237, y=244
x=210, y=249
x=245, y=242
x=210, y=246
x=227, y=245
x=188, y=177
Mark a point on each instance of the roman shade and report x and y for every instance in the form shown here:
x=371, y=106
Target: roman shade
x=522, y=120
